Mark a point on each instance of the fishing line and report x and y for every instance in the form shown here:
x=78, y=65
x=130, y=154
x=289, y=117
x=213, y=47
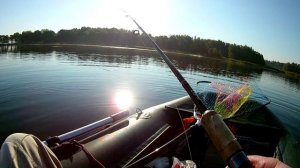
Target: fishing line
x=159, y=148
x=186, y=137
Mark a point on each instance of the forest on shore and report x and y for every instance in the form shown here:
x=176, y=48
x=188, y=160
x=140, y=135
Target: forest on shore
x=129, y=38
x=284, y=67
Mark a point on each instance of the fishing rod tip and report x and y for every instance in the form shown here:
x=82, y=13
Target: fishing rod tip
x=125, y=12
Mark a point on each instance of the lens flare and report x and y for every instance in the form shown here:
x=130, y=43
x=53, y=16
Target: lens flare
x=123, y=99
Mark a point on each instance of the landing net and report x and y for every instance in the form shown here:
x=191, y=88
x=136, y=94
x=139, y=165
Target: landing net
x=231, y=98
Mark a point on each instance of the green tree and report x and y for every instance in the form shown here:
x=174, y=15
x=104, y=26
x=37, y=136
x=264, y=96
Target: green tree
x=292, y=67
x=4, y=39
x=15, y=37
x=67, y=36
x=48, y=36
x=27, y=37
x=37, y=36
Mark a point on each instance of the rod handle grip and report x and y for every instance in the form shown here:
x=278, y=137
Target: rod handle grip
x=225, y=142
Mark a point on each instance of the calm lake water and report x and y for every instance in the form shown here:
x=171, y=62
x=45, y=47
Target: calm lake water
x=50, y=90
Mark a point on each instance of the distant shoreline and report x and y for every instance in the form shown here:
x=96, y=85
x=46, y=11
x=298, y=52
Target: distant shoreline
x=140, y=48
x=121, y=37
x=268, y=68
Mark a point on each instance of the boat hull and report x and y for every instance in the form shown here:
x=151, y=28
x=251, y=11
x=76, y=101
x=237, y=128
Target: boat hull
x=131, y=139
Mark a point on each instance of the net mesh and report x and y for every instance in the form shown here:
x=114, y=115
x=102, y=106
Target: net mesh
x=231, y=98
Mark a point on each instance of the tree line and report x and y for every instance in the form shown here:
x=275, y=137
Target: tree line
x=122, y=37
x=290, y=67
x=4, y=39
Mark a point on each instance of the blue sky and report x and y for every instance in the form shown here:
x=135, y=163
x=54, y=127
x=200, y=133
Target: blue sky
x=271, y=27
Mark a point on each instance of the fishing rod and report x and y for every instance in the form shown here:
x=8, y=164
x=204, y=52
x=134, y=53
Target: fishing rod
x=220, y=135
x=181, y=79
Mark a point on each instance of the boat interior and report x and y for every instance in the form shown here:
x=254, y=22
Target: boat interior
x=159, y=132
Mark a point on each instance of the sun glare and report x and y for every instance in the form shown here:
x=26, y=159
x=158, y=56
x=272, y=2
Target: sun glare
x=111, y=14
x=123, y=99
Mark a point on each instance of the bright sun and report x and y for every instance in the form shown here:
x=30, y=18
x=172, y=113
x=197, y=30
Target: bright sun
x=123, y=99
x=147, y=13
